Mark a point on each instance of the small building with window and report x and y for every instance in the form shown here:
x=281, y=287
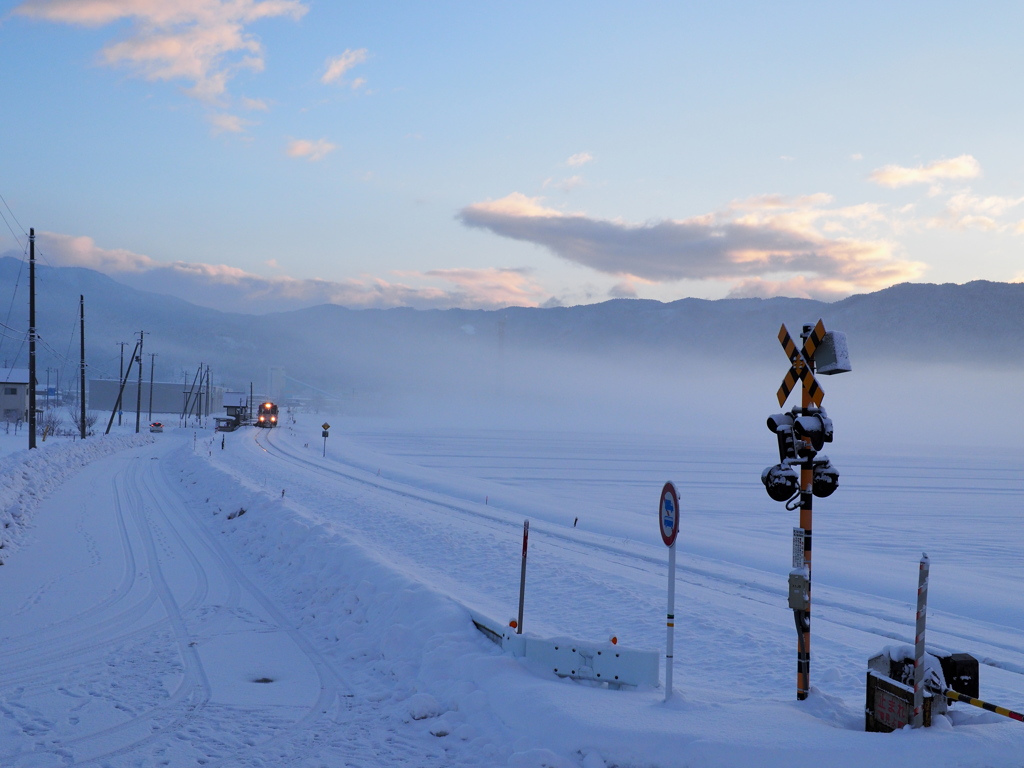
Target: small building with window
x=14, y=394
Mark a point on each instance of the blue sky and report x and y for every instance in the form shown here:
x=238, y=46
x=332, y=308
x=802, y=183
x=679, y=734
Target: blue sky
x=267, y=154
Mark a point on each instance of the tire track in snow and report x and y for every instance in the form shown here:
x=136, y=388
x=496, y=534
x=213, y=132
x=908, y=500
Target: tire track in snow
x=333, y=690
x=193, y=691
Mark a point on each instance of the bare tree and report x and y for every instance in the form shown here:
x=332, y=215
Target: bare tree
x=76, y=419
x=51, y=422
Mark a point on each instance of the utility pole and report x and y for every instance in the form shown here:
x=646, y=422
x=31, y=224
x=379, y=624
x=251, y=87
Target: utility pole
x=120, y=376
x=81, y=335
x=138, y=391
x=152, y=366
x=32, y=338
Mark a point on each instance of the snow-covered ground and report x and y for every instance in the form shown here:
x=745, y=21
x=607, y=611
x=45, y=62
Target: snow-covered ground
x=148, y=620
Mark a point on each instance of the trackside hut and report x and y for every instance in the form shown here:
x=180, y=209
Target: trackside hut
x=14, y=394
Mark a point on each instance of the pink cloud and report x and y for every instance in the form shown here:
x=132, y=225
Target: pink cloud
x=962, y=167
x=82, y=251
x=233, y=289
x=311, y=150
x=202, y=42
x=336, y=67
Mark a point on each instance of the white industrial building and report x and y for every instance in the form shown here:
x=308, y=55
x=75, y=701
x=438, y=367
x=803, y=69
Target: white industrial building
x=168, y=397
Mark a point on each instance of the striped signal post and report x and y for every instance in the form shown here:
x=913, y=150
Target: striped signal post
x=802, y=370
x=922, y=610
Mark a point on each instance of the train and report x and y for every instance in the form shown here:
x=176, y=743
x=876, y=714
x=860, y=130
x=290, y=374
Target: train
x=267, y=416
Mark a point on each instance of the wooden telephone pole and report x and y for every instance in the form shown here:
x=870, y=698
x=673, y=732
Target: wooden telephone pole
x=32, y=338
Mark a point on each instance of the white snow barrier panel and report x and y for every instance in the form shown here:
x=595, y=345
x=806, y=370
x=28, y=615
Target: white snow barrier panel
x=605, y=664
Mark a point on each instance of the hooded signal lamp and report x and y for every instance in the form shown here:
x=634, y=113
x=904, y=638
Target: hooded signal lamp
x=825, y=480
x=815, y=428
x=780, y=481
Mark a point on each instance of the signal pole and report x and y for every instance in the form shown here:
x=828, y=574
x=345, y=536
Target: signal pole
x=801, y=435
x=803, y=618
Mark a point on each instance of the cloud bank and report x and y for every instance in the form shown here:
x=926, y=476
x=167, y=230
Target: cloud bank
x=765, y=246
x=235, y=290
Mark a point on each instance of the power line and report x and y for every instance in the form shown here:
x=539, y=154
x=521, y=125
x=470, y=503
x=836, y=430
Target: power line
x=14, y=295
x=13, y=217
x=13, y=233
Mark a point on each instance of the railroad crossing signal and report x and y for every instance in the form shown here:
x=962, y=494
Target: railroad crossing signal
x=801, y=433
x=801, y=366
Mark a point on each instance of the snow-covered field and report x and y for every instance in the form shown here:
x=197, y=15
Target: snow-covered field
x=148, y=621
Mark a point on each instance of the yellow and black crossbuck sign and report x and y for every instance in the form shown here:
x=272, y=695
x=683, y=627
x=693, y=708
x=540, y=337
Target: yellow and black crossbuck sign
x=801, y=365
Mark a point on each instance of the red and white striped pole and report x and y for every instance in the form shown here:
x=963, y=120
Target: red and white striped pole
x=922, y=608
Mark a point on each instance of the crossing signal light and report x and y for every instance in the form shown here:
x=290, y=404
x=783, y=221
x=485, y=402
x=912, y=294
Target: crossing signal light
x=780, y=481
x=815, y=428
x=801, y=434
x=782, y=425
x=825, y=479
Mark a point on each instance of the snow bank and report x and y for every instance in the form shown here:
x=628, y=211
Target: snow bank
x=27, y=476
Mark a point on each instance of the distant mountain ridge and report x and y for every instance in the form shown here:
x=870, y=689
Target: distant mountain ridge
x=334, y=348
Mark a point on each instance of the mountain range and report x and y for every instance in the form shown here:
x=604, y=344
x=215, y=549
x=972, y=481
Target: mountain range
x=335, y=349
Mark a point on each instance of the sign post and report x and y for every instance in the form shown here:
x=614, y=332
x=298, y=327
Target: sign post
x=325, y=426
x=922, y=611
x=668, y=522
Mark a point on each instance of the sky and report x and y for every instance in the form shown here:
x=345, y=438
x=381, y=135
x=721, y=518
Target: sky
x=260, y=155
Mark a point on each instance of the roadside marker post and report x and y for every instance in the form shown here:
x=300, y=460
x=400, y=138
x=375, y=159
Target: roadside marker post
x=922, y=610
x=668, y=522
x=325, y=427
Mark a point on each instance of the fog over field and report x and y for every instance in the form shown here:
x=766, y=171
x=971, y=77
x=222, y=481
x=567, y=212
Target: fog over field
x=932, y=364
